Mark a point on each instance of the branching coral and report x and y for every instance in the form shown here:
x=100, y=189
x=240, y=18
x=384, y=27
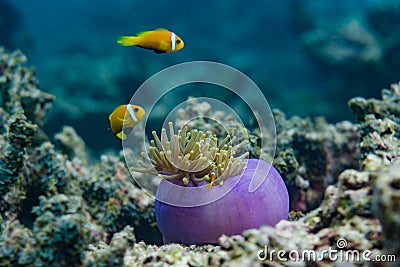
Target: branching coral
x=192, y=156
x=21, y=132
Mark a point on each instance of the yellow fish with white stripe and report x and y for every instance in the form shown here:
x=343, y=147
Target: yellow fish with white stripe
x=124, y=118
x=159, y=40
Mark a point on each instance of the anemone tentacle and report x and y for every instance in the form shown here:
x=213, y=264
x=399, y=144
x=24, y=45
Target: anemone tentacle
x=191, y=155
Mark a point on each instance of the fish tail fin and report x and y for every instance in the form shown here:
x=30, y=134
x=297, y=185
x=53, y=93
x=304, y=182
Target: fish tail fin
x=127, y=40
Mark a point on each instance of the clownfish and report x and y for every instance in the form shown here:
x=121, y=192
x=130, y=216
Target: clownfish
x=122, y=125
x=159, y=40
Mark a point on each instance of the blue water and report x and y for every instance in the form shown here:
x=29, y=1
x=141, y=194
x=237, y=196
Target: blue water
x=72, y=45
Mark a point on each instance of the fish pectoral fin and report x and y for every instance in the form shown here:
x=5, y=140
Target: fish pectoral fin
x=121, y=135
x=127, y=40
x=159, y=51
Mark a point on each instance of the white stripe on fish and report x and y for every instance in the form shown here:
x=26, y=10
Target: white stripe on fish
x=131, y=113
x=173, y=37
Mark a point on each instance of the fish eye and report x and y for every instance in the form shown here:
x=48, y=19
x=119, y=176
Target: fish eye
x=135, y=110
x=178, y=41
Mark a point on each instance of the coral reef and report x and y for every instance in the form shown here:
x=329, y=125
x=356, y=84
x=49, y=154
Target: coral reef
x=379, y=122
x=71, y=144
x=345, y=212
x=19, y=89
x=53, y=204
x=311, y=155
x=20, y=134
x=59, y=207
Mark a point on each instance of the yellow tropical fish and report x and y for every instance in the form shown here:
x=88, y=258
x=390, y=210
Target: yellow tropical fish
x=122, y=125
x=159, y=40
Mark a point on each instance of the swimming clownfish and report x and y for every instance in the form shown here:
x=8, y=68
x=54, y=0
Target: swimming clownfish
x=159, y=40
x=122, y=125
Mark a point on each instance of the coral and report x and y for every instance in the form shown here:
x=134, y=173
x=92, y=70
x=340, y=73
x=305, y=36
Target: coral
x=379, y=124
x=50, y=206
x=386, y=203
x=57, y=228
x=17, y=247
x=350, y=197
x=310, y=156
x=60, y=227
x=19, y=88
x=71, y=144
x=20, y=134
x=113, y=200
x=344, y=213
x=380, y=151
x=59, y=208
x=112, y=254
x=386, y=108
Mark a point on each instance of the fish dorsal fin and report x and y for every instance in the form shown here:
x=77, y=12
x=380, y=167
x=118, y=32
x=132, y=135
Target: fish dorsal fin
x=161, y=29
x=140, y=33
x=156, y=30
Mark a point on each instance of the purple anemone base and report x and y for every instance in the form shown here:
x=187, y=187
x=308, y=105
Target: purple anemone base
x=235, y=212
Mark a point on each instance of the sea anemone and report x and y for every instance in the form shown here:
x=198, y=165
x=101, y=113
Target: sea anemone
x=205, y=188
x=192, y=157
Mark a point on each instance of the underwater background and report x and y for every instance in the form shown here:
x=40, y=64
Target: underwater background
x=307, y=57
x=329, y=70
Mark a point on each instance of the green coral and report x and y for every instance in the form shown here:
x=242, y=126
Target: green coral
x=17, y=247
x=379, y=123
x=386, y=204
x=19, y=88
x=104, y=255
x=71, y=144
x=20, y=134
x=114, y=201
x=60, y=227
x=58, y=237
x=48, y=218
x=311, y=154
